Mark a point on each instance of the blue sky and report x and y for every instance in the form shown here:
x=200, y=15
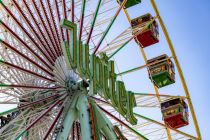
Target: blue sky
x=188, y=23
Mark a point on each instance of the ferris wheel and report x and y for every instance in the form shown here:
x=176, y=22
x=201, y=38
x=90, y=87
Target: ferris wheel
x=59, y=77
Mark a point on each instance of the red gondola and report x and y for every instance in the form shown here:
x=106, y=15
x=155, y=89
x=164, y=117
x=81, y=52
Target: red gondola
x=175, y=113
x=148, y=36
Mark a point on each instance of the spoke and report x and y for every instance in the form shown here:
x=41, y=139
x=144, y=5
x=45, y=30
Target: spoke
x=72, y=10
x=59, y=18
x=25, y=70
x=8, y=111
x=161, y=95
x=55, y=26
x=25, y=57
x=38, y=101
x=82, y=19
x=134, y=36
x=121, y=122
x=44, y=26
x=27, y=86
x=109, y=27
x=39, y=118
x=28, y=35
x=65, y=16
x=54, y=122
x=10, y=103
x=94, y=21
x=25, y=44
x=56, y=47
x=185, y=134
x=141, y=67
x=31, y=27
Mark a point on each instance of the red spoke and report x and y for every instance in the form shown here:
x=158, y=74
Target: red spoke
x=82, y=19
x=27, y=71
x=59, y=19
x=114, y=117
x=38, y=101
x=26, y=57
x=54, y=122
x=44, y=26
x=78, y=131
x=65, y=16
x=72, y=10
x=30, y=25
x=41, y=32
x=29, y=36
x=22, y=42
x=51, y=30
x=40, y=117
x=55, y=27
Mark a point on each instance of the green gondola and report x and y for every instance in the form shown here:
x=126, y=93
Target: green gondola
x=161, y=71
x=129, y=3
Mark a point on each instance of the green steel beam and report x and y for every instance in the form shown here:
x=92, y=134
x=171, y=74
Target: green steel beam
x=4, y=85
x=134, y=36
x=8, y=111
x=120, y=48
x=140, y=67
x=84, y=118
x=109, y=27
x=1, y=2
x=128, y=71
x=70, y=117
x=77, y=110
x=161, y=95
x=146, y=118
x=137, y=133
x=1, y=61
x=94, y=21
